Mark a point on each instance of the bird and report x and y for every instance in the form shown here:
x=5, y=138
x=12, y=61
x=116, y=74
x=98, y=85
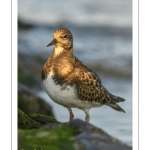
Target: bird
x=70, y=83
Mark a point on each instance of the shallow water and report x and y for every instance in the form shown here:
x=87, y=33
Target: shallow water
x=98, y=12
x=102, y=32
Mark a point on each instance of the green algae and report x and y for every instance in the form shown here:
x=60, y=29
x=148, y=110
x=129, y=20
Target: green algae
x=24, y=122
x=32, y=136
x=47, y=118
x=61, y=138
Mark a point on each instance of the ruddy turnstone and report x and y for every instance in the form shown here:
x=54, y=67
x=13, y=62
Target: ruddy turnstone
x=69, y=82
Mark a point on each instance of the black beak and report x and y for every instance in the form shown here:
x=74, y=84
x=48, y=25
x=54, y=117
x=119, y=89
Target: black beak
x=53, y=42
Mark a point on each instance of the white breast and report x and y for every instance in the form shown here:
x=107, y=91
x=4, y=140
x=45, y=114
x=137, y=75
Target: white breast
x=65, y=96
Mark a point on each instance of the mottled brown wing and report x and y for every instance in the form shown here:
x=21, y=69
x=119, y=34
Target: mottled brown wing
x=89, y=88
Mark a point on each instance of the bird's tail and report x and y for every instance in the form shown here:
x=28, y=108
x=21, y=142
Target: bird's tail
x=113, y=103
x=116, y=99
x=115, y=106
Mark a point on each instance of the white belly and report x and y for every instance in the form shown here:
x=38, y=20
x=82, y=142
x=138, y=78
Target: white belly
x=65, y=96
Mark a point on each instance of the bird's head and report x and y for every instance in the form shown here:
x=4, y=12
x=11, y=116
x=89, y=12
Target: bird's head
x=62, y=38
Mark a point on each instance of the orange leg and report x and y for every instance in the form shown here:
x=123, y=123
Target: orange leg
x=87, y=117
x=71, y=114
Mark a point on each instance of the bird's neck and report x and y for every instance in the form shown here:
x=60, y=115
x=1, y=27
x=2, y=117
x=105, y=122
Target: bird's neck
x=59, y=50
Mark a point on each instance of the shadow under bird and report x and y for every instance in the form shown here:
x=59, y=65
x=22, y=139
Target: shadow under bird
x=70, y=83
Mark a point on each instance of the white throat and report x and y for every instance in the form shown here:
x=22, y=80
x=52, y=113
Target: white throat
x=58, y=49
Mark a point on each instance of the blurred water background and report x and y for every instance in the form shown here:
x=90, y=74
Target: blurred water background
x=102, y=34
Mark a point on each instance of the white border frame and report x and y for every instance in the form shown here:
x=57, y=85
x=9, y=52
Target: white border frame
x=12, y=56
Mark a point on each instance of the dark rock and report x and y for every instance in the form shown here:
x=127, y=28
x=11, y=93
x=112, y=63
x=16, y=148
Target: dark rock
x=30, y=103
x=75, y=134
x=93, y=138
x=27, y=78
x=29, y=70
x=23, y=26
x=43, y=119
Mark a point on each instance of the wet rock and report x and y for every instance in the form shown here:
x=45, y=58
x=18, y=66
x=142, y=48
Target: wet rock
x=29, y=70
x=73, y=135
x=93, y=138
x=24, y=26
x=30, y=103
x=43, y=119
x=47, y=138
x=27, y=78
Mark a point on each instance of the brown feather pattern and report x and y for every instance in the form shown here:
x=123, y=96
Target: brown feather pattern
x=68, y=70
x=89, y=88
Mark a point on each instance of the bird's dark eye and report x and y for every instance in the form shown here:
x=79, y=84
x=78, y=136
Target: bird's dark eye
x=65, y=36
